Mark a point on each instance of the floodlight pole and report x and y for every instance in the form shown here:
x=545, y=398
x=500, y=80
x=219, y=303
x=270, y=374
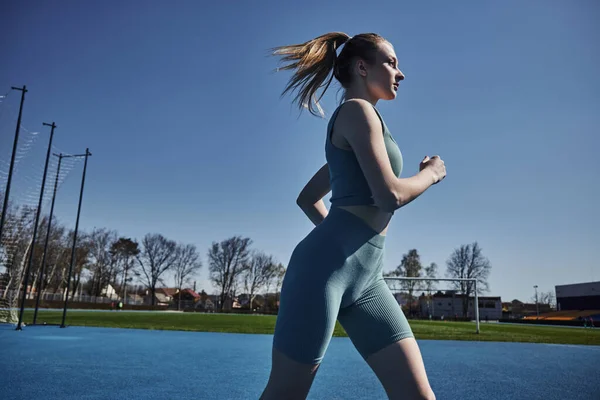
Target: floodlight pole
x=41, y=284
x=476, y=306
x=12, y=160
x=537, y=310
x=35, y=227
x=86, y=155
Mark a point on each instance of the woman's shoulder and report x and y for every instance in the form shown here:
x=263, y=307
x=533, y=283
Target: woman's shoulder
x=357, y=105
x=357, y=113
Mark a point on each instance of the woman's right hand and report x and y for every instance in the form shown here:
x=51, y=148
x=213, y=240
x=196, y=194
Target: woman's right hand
x=436, y=165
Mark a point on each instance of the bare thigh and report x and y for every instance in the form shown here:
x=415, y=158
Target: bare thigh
x=289, y=379
x=400, y=369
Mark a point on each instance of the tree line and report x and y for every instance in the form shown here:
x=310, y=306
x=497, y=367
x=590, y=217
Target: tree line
x=103, y=257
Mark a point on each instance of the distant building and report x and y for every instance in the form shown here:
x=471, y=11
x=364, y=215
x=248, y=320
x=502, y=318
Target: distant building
x=134, y=299
x=578, y=296
x=187, y=295
x=404, y=299
x=110, y=292
x=206, y=304
x=228, y=304
x=162, y=296
x=450, y=304
x=187, y=298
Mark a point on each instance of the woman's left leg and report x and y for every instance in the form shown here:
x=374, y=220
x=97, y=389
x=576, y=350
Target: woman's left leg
x=380, y=332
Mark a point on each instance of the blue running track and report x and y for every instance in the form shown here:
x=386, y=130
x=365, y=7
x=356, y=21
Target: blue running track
x=46, y=362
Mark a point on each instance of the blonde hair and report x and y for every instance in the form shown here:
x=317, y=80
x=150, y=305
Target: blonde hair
x=316, y=59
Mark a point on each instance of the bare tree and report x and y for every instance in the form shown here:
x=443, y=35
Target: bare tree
x=102, y=262
x=125, y=250
x=226, y=261
x=58, y=260
x=547, y=298
x=53, y=250
x=467, y=261
x=409, y=267
x=158, y=256
x=83, y=253
x=186, y=264
x=260, y=270
x=279, y=275
x=429, y=285
x=430, y=272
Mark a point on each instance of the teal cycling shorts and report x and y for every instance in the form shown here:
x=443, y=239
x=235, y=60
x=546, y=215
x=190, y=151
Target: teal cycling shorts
x=335, y=273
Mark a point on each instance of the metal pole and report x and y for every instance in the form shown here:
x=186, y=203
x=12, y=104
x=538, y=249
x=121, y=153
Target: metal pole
x=429, y=279
x=12, y=160
x=476, y=306
x=41, y=285
x=35, y=227
x=537, y=311
x=87, y=153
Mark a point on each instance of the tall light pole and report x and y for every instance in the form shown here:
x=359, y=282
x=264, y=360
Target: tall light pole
x=537, y=310
x=12, y=160
x=86, y=155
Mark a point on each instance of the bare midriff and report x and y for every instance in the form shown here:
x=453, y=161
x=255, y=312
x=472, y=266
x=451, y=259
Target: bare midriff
x=373, y=216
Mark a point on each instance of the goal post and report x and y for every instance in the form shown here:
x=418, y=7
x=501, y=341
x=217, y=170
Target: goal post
x=423, y=279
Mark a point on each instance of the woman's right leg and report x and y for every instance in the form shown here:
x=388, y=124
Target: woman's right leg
x=289, y=379
x=304, y=328
x=309, y=306
x=400, y=369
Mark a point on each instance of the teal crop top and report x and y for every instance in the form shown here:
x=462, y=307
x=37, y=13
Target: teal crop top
x=349, y=186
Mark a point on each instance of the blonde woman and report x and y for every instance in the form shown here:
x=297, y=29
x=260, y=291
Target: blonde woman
x=335, y=272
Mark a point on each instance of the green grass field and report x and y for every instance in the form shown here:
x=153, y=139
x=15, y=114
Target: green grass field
x=229, y=323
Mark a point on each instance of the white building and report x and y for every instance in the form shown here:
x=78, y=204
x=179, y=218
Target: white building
x=110, y=292
x=450, y=304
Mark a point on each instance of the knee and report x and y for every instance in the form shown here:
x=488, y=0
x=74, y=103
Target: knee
x=426, y=395
x=285, y=389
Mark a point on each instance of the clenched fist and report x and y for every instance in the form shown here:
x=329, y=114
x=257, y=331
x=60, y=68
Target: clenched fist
x=436, y=165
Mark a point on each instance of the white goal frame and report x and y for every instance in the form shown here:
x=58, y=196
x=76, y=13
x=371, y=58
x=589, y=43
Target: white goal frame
x=476, y=305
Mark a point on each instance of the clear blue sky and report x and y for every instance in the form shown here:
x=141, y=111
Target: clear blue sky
x=179, y=106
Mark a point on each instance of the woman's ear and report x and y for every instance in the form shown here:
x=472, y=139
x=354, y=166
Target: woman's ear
x=361, y=67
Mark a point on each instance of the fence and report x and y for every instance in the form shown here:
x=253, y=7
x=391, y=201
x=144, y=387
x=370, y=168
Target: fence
x=73, y=298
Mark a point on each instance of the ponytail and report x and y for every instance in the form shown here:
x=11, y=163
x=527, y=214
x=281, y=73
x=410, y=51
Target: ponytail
x=314, y=61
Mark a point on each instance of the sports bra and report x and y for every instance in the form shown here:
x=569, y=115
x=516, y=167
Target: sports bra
x=349, y=186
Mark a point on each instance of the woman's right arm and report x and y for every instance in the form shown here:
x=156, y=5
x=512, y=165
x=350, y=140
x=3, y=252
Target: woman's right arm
x=310, y=199
x=362, y=129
